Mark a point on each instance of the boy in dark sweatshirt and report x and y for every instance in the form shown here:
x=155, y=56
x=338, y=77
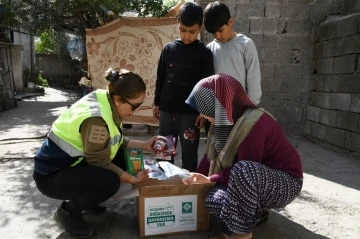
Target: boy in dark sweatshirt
x=182, y=64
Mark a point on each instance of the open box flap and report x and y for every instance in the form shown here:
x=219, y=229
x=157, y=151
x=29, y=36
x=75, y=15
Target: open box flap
x=173, y=186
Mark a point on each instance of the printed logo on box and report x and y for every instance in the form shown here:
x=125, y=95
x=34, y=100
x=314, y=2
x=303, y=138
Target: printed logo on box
x=161, y=216
x=186, y=216
x=186, y=207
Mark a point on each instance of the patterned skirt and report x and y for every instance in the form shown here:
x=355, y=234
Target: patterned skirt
x=251, y=188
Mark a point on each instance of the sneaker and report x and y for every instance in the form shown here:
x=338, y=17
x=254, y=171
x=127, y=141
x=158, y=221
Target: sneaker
x=73, y=223
x=97, y=210
x=264, y=217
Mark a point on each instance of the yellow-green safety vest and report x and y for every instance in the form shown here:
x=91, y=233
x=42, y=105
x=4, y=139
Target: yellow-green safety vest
x=65, y=131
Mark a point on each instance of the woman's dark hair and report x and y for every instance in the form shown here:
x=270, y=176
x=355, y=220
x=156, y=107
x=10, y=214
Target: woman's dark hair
x=216, y=15
x=190, y=14
x=126, y=84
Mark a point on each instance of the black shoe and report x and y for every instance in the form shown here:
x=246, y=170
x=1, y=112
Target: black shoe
x=95, y=210
x=73, y=223
x=264, y=217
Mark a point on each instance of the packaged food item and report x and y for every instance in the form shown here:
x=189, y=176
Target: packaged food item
x=154, y=169
x=172, y=170
x=164, y=170
x=169, y=150
x=160, y=143
x=134, y=161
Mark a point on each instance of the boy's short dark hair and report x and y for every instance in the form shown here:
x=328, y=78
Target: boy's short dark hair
x=190, y=14
x=216, y=15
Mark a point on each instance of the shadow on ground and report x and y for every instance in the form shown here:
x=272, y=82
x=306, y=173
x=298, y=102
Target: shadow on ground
x=28, y=206
x=36, y=210
x=122, y=222
x=34, y=116
x=328, y=165
x=21, y=123
x=24, y=149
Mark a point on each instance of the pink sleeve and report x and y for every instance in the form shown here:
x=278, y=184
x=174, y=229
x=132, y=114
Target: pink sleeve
x=252, y=148
x=221, y=178
x=204, y=166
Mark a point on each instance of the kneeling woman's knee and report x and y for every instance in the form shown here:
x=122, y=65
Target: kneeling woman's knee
x=214, y=199
x=112, y=182
x=244, y=170
x=243, y=166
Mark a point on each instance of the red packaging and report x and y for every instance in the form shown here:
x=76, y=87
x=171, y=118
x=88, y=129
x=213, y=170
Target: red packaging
x=169, y=150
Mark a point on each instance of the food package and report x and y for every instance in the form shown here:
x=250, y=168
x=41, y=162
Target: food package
x=134, y=161
x=169, y=150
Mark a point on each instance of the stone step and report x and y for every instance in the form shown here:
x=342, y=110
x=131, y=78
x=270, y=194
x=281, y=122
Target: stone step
x=136, y=130
x=8, y=104
x=6, y=95
x=147, y=131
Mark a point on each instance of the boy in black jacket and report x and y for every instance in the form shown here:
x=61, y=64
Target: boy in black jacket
x=182, y=64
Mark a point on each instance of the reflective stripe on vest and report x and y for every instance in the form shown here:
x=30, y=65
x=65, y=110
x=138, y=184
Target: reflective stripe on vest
x=94, y=106
x=74, y=152
x=94, y=111
x=68, y=148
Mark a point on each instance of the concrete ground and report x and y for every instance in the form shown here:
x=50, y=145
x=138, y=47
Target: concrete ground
x=328, y=206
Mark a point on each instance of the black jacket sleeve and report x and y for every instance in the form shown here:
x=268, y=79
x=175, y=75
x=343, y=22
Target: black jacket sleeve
x=207, y=64
x=160, y=78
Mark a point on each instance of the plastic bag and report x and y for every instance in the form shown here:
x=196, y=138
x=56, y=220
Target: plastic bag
x=76, y=48
x=172, y=170
x=164, y=170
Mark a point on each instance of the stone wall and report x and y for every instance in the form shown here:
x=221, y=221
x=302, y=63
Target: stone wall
x=281, y=30
x=309, y=59
x=334, y=105
x=350, y=6
x=50, y=64
x=59, y=71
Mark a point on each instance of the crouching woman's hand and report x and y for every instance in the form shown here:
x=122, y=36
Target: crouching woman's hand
x=142, y=176
x=196, y=178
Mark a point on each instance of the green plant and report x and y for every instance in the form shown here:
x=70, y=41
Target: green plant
x=27, y=74
x=73, y=16
x=40, y=80
x=52, y=42
x=35, y=77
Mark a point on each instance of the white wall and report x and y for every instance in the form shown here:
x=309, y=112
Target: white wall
x=28, y=48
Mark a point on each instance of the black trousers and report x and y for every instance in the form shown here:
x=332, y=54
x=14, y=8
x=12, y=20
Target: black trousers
x=182, y=126
x=84, y=186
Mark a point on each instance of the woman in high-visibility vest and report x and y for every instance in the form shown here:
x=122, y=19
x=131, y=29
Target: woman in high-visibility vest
x=82, y=160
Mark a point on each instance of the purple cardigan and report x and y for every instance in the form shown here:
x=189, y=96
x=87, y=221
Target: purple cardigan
x=265, y=144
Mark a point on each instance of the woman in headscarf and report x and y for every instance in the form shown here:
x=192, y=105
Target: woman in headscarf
x=248, y=156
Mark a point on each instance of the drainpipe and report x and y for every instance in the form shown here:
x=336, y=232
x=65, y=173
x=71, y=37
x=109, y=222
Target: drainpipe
x=32, y=56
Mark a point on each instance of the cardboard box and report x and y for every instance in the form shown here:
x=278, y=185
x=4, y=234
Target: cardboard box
x=171, y=207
